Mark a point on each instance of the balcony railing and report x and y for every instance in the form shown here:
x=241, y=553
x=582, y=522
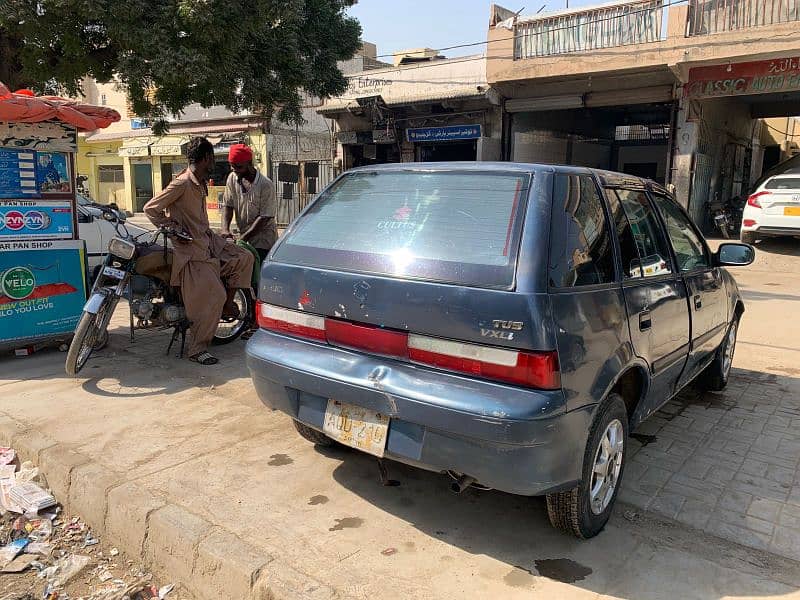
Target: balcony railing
x=590, y=29
x=716, y=16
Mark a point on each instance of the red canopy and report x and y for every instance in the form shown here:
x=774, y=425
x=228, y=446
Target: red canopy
x=24, y=107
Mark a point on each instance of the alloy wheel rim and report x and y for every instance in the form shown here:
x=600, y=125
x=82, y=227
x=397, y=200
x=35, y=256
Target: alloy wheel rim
x=730, y=348
x=606, y=467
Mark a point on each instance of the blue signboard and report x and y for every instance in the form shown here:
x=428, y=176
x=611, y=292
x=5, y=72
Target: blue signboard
x=444, y=134
x=42, y=289
x=35, y=219
x=18, y=173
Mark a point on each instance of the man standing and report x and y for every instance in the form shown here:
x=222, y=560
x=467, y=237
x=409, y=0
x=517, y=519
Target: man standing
x=200, y=266
x=251, y=197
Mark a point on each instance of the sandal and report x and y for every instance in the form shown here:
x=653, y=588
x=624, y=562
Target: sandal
x=204, y=358
x=230, y=317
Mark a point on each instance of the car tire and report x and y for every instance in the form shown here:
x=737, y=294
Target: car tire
x=584, y=510
x=749, y=237
x=312, y=435
x=715, y=376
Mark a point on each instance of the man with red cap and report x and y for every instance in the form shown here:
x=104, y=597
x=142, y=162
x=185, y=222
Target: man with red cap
x=251, y=197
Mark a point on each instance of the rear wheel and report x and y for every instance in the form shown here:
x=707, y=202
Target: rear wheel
x=749, y=237
x=228, y=332
x=312, y=435
x=715, y=377
x=584, y=510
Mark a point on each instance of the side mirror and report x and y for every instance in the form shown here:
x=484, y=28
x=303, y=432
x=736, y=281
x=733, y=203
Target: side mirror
x=85, y=217
x=735, y=255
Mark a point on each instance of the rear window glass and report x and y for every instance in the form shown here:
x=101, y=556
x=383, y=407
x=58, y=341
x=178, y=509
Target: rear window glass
x=453, y=226
x=783, y=183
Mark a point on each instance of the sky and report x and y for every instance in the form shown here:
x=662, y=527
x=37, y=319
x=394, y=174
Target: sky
x=401, y=24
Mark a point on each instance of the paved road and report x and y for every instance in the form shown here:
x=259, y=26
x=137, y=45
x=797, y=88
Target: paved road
x=230, y=495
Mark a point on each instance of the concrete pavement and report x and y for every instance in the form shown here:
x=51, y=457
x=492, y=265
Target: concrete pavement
x=182, y=464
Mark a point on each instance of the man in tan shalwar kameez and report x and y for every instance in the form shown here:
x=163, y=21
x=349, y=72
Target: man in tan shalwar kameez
x=199, y=267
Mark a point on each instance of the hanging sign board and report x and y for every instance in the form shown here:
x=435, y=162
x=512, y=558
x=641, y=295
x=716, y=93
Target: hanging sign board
x=450, y=133
x=35, y=219
x=18, y=173
x=778, y=75
x=42, y=288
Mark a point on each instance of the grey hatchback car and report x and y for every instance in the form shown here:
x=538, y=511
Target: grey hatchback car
x=507, y=324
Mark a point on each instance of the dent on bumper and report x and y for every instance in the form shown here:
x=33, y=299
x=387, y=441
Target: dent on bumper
x=514, y=440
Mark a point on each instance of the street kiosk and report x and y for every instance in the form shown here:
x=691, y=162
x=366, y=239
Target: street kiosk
x=43, y=280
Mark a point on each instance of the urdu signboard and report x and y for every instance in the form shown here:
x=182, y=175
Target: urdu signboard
x=744, y=79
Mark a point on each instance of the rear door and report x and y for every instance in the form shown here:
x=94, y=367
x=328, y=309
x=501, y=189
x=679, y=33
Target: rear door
x=655, y=294
x=431, y=251
x=707, y=296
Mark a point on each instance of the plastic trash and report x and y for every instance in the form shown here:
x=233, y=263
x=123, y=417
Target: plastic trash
x=10, y=551
x=7, y=455
x=27, y=472
x=66, y=568
x=90, y=540
x=164, y=590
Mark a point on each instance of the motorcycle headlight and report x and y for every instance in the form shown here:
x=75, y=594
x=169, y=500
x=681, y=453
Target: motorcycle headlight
x=122, y=248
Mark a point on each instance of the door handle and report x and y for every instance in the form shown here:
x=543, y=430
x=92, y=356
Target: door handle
x=698, y=302
x=645, y=321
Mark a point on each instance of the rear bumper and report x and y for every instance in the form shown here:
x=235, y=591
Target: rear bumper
x=765, y=230
x=511, y=439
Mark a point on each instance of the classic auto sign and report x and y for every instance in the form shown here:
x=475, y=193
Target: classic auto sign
x=740, y=79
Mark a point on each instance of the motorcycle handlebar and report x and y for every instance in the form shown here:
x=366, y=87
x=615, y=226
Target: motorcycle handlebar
x=172, y=232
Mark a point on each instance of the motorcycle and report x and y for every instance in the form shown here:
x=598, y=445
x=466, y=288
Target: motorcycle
x=722, y=219
x=140, y=271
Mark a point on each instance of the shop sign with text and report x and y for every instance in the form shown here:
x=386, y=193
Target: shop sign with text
x=740, y=79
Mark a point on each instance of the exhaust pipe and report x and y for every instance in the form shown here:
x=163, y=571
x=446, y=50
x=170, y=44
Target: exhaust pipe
x=462, y=483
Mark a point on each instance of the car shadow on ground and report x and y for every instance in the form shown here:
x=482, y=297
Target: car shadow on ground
x=516, y=531
x=786, y=246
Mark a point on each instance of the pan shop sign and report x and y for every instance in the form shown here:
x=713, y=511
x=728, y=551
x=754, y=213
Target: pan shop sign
x=740, y=79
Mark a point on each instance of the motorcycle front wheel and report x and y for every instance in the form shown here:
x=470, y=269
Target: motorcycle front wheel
x=228, y=332
x=90, y=335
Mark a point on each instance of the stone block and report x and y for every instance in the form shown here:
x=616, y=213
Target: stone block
x=29, y=445
x=89, y=486
x=57, y=463
x=129, y=506
x=173, y=535
x=226, y=567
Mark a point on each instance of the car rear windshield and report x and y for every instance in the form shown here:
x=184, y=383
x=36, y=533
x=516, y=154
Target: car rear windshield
x=783, y=183
x=459, y=227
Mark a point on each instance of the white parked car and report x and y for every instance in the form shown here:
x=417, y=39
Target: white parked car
x=773, y=209
x=97, y=232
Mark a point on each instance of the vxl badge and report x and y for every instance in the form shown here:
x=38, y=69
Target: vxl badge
x=502, y=330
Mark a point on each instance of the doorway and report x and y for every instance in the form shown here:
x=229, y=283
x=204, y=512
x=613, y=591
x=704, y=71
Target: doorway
x=143, y=184
x=447, y=151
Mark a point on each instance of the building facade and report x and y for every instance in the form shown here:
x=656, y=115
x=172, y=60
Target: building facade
x=427, y=108
x=676, y=93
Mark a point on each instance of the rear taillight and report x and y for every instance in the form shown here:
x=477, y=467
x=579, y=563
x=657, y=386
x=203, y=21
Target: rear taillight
x=292, y=322
x=753, y=200
x=367, y=338
x=749, y=222
x=531, y=369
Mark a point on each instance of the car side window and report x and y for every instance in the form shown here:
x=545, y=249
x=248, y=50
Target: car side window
x=627, y=246
x=689, y=248
x=653, y=252
x=581, y=252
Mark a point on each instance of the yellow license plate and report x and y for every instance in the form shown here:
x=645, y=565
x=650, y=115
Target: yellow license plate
x=791, y=211
x=357, y=427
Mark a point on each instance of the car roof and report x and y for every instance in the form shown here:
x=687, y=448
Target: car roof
x=607, y=178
